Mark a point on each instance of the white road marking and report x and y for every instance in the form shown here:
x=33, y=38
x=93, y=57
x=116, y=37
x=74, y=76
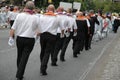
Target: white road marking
x=93, y=64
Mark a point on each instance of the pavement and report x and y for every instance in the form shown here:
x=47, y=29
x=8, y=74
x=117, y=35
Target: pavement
x=108, y=66
x=99, y=63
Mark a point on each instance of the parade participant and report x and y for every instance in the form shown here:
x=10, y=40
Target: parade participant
x=113, y=17
x=82, y=32
x=9, y=16
x=59, y=41
x=49, y=25
x=71, y=30
x=12, y=14
x=116, y=23
x=3, y=17
x=25, y=26
x=98, y=28
x=93, y=20
x=87, y=30
x=107, y=25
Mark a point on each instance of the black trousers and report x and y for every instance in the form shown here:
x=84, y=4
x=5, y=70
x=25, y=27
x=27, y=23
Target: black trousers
x=86, y=41
x=47, y=42
x=115, y=29
x=79, y=43
x=77, y=46
x=90, y=40
x=65, y=44
x=24, y=48
x=11, y=23
x=58, y=46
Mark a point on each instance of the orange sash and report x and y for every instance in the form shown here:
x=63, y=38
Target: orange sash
x=50, y=13
x=80, y=18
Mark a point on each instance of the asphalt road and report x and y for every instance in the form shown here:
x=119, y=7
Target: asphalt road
x=72, y=69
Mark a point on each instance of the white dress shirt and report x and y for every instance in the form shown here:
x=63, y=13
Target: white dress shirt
x=64, y=22
x=25, y=25
x=73, y=24
x=12, y=15
x=50, y=24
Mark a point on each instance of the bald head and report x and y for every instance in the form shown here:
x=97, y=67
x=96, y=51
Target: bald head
x=51, y=8
x=60, y=9
x=69, y=10
x=15, y=7
x=79, y=13
x=30, y=5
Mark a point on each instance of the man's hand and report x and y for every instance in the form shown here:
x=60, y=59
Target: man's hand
x=11, y=41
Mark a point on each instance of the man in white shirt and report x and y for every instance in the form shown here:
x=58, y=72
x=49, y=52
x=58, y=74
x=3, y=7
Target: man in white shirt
x=81, y=40
x=49, y=24
x=59, y=41
x=12, y=15
x=24, y=27
x=98, y=28
x=93, y=19
x=70, y=30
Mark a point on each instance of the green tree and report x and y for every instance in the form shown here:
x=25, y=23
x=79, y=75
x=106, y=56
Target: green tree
x=98, y=5
x=38, y=3
x=116, y=7
x=16, y=2
x=105, y=5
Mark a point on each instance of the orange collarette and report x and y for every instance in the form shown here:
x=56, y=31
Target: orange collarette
x=81, y=18
x=50, y=13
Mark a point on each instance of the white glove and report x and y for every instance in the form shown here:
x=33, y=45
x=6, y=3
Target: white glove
x=11, y=41
x=67, y=34
x=61, y=35
x=75, y=34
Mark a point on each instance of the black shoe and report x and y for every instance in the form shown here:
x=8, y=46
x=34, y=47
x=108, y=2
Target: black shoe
x=75, y=56
x=63, y=60
x=87, y=49
x=43, y=73
x=54, y=64
x=78, y=53
x=18, y=79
